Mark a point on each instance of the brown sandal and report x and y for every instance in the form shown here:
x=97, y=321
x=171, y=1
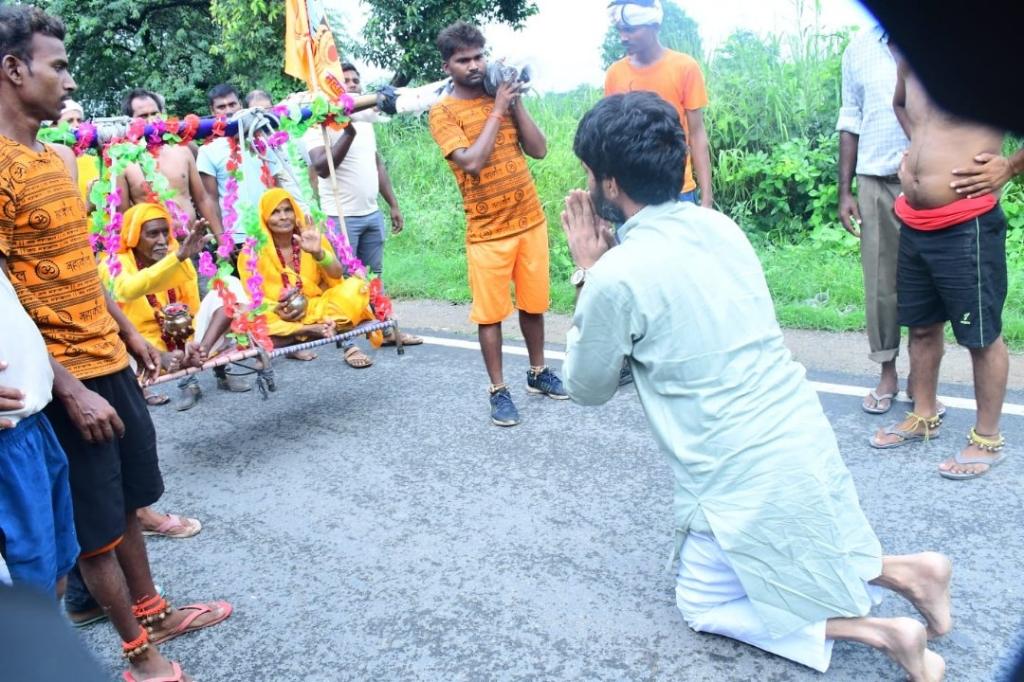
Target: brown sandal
x=356, y=358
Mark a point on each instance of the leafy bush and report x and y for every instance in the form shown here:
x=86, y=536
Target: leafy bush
x=775, y=172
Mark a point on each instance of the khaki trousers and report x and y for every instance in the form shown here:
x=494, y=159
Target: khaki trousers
x=879, y=248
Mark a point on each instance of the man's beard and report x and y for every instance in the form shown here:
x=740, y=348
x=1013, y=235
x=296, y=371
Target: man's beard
x=605, y=208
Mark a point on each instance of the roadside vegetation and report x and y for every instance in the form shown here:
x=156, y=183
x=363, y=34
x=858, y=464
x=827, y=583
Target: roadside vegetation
x=774, y=103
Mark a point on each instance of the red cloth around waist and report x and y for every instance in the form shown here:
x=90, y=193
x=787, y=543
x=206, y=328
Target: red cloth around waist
x=959, y=211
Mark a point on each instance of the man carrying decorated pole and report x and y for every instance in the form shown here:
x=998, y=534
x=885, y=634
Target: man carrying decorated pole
x=362, y=176
x=214, y=161
x=311, y=55
x=484, y=139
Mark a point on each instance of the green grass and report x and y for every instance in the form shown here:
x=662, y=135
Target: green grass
x=815, y=277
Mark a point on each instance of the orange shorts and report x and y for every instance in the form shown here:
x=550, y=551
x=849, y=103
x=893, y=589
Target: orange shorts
x=522, y=260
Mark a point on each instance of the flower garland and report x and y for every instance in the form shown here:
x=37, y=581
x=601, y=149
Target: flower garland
x=139, y=148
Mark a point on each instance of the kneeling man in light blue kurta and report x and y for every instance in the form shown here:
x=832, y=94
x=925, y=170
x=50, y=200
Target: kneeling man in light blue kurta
x=773, y=546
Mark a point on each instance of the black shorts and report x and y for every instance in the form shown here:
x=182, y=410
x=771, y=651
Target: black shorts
x=110, y=480
x=958, y=274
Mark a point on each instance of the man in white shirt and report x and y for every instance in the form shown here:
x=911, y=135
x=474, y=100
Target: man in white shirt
x=35, y=496
x=872, y=142
x=362, y=176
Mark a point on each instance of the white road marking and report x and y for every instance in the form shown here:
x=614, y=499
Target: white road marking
x=819, y=386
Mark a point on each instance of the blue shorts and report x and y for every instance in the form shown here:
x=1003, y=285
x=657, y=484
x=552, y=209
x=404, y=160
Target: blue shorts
x=35, y=504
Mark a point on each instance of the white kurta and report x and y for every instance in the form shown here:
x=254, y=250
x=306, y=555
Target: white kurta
x=754, y=458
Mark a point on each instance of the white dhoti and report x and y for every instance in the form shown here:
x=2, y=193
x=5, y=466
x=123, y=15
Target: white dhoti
x=712, y=599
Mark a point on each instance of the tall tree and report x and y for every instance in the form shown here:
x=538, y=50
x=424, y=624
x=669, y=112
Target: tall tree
x=678, y=32
x=162, y=45
x=400, y=35
x=180, y=48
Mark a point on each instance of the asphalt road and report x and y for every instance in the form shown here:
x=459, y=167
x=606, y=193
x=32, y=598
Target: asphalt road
x=373, y=525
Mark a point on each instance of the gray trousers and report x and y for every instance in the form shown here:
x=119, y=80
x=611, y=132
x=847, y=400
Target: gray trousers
x=879, y=249
x=366, y=235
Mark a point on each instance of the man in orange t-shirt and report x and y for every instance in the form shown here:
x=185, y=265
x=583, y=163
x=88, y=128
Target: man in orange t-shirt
x=484, y=139
x=97, y=413
x=673, y=76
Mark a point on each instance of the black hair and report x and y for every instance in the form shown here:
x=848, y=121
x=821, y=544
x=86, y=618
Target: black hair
x=18, y=23
x=256, y=94
x=349, y=66
x=459, y=36
x=221, y=91
x=140, y=93
x=637, y=139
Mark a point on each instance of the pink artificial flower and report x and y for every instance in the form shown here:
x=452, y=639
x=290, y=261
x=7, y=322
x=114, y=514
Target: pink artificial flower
x=207, y=268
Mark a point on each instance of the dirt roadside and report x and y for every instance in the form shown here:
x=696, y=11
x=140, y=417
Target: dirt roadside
x=844, y=352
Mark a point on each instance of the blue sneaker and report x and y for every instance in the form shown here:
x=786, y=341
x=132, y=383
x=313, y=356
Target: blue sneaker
x=546, y=383
x=503, y=410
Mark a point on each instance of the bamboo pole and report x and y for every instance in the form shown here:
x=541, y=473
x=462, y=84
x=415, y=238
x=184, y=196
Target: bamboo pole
x=235, y=356
x=327, y=144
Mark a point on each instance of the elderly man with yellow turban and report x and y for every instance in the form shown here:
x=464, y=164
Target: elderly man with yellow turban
x=302, y=275
x=158, y=290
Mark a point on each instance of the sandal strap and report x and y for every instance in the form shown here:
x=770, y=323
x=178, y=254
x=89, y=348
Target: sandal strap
x=193, y=611
x=974, y=459
x=987, y=443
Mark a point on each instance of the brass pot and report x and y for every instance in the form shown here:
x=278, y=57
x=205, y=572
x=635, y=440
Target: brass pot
x=177, y=321
x=294, y=304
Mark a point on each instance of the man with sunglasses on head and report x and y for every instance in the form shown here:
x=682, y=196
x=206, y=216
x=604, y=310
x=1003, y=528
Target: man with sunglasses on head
x=673, y=76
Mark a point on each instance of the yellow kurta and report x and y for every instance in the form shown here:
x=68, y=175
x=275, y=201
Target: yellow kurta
x=132, y=285
x=345, y=302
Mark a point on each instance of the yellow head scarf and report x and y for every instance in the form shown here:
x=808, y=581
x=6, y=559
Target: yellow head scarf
x=271, y=199
x=135, y=217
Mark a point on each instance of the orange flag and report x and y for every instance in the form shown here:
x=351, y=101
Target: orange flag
x=310, y=55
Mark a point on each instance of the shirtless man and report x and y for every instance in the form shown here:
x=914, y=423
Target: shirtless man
x=952, y=266
x=176, y=162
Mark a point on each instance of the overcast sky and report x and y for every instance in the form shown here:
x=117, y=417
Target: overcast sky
x=562, y=42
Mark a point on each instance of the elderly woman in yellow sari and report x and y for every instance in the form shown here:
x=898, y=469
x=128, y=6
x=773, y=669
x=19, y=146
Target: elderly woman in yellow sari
x=298, y=258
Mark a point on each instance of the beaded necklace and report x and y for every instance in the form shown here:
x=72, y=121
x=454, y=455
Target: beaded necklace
x=296, y=265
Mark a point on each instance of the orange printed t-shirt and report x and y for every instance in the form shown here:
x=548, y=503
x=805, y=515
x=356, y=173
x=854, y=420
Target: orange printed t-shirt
x=503, y=201
x=43, y=235
x=676, y=78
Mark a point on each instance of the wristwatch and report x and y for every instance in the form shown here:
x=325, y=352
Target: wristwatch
x=578, y=277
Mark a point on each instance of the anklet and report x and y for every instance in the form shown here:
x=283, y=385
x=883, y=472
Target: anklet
x=151, y=611
x=929, y=423
x=986, y=443
x=136, y=647
x=494, y=389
